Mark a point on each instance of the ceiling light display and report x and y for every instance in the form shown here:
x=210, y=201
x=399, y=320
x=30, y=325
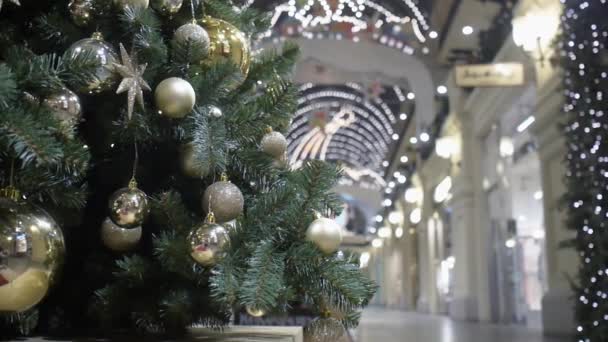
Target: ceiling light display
x=345, y=124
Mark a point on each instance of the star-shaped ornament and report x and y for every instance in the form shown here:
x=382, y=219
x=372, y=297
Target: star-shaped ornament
x=132, y=80
x=16, y=2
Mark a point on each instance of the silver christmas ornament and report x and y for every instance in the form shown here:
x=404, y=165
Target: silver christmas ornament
x=131, y=3
x=213, y=111
x=207, y=242
x=224, y=199
x=274, y=143
x=129, y=206
x=65, y=106
x=81, y=11
x=174, y=97
x=167, y=7
x=132, y=80
x=105, y=55
x=32, y=252
x=194, y=34
x=117, y=238
x=189, y=164
x=326, y=234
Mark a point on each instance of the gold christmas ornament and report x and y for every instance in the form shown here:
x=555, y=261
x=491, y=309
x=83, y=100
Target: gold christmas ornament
x=81, y=11
x=326, y=234
x=117, y=238
x=132, y=80
x=129, y=206
x=224, y=199
x=65, y=106
x=105, y=55
x=167, y=7
x=122, y=4
x=32, y=251
x=174, y=97
x=253, y=312
x=193, y=33
x=188, y=163
x=274, y=143
x=207, y=242
x=227, y=43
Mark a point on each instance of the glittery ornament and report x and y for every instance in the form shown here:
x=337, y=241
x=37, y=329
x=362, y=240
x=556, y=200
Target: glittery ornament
x=195, y=35
x=65, y=106
x=167, y=7
x=105, y=55
x=175, y=97
x=81, y=11
x=224, y=199
x=32, y=252
x=326, y=234
x=274, y=143
x=227, y=43
x=117, y=238
x=207, y=242
x=129, y=206
x=132, y=80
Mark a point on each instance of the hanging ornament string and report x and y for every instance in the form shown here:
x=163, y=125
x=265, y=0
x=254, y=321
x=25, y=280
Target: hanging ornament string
x=10, y=191
x=192, y=9
x=133, y=181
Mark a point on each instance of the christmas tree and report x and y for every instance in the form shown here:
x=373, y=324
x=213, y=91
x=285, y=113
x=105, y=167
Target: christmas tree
x=582, y=52
x=145, y=187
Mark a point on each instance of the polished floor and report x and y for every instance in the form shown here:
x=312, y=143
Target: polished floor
x=381, y=325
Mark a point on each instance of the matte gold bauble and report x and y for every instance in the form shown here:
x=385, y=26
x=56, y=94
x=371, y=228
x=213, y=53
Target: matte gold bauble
x=65, y=106
x=224, y=199
x=81, y=11
x=106, y=57
x=32, y=252
x=167, y=7
x=227, y=43
x=117, y=238
x=174, y=97
x=207, y=242
x=253, y=312
x=274, y=143
x=131, y=3
x=326, y=234
x=129, y=206
x=188, y=163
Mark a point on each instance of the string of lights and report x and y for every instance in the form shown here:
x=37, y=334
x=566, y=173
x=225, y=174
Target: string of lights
x=582, y=51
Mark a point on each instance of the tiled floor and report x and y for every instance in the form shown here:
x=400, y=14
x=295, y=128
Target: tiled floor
x=380, y=325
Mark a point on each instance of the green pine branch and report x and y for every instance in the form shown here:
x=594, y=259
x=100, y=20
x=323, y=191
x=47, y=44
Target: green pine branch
x=8, y=87
x=263, y=280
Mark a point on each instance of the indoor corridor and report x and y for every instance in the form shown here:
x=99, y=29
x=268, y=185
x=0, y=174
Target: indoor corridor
x=385, y=325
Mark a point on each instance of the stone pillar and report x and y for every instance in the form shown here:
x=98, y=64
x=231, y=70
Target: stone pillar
x=557, y=306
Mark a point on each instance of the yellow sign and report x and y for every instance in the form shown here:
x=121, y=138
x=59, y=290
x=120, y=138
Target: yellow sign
x=489, y=75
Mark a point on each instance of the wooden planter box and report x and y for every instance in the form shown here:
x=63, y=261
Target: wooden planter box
x=229, y=334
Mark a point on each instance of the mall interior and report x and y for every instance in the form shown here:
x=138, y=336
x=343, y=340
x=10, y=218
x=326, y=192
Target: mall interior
x=444, y=115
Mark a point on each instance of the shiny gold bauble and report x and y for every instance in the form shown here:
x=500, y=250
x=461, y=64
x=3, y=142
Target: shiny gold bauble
x=207, y=243
x=167, y=7
x=224, y=199
x=105, y=55
x=129, y=207
x=326, y=234
x=253, y=312
x=131, y=3
x=81, y=11
x=274, y=144
x=188, y=163
x=32, y=251
x=119, y=239
x=174, y=97
x=227, y=43
x=65, y=106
